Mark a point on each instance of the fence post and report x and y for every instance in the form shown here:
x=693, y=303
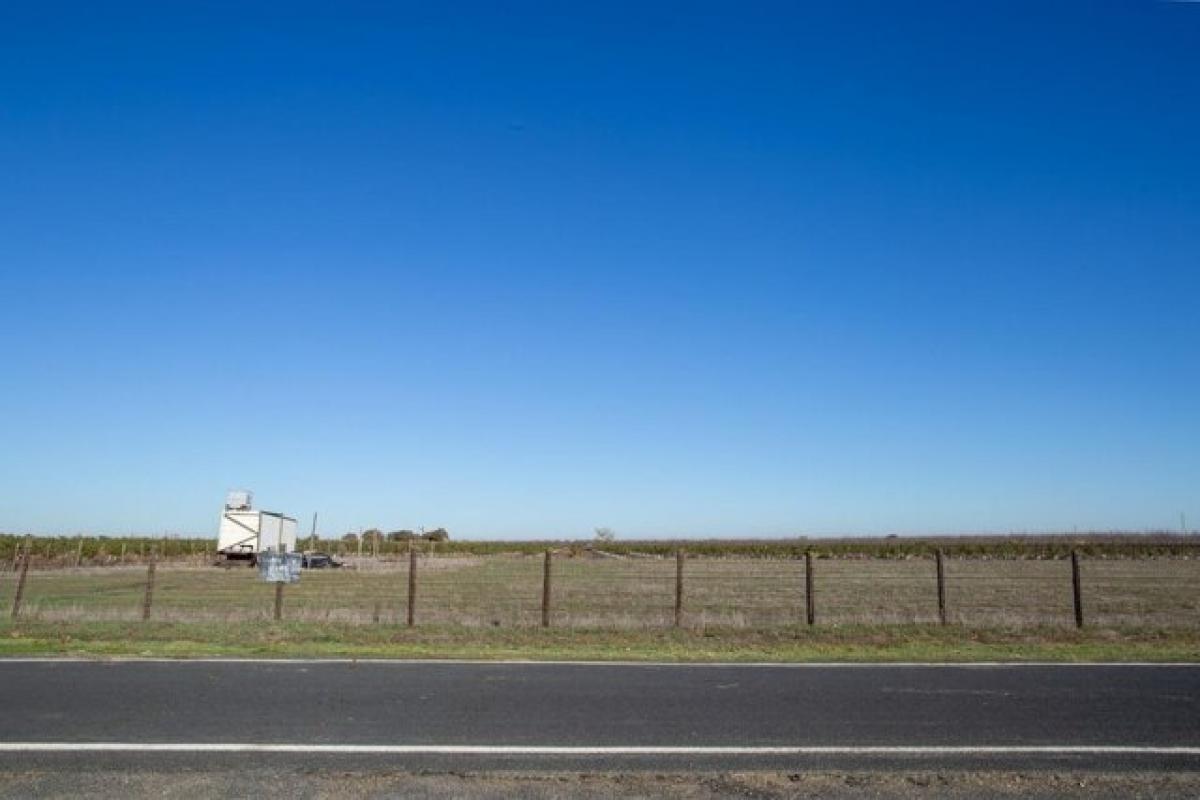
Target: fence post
x=16, y=606
x=810, y=604
x=79, y=551
x=124, y=545
x=546, y=591
x=149, y=598
x=941, y=578
x=17, y=552
x=679, y=587
x=412, y=586
x=278, y=600
x=1077, y=590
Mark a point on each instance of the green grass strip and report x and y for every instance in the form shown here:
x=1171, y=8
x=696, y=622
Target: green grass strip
x=852, y=643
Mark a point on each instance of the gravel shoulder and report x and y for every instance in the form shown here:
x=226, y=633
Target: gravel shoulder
x=270, y=782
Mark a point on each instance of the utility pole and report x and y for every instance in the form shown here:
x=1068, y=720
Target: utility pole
x=312, y=536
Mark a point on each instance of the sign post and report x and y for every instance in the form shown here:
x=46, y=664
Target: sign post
x=279, y=568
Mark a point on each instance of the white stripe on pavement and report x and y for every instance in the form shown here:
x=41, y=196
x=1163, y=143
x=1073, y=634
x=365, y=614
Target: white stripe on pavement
x=539, y=750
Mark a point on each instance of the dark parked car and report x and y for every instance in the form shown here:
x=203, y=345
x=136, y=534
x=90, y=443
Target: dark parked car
x=319, y=561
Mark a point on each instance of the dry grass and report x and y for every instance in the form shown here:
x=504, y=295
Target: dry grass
x=635, y=593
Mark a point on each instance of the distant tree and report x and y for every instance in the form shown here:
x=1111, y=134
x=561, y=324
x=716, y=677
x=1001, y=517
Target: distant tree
x=372, y=535
x=437, y=535
x=605, y=535
x=350, y=537
x=401, y=536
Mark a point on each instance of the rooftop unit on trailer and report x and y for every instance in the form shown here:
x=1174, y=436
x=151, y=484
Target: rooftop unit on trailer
x=245, y=532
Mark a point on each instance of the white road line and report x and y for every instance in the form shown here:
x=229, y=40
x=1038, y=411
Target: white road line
x=538, y=750
x=544, y=663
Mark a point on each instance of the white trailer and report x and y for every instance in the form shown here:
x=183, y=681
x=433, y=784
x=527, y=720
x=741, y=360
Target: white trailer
x=245, y=532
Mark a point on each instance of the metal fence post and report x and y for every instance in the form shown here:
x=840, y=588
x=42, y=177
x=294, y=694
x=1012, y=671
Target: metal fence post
x=941, y=578
x=546, y=591
x=149, y=598
x=679, y=587
x=1076, y=589
x=412, y=586
x=16, y=606
x=810, y=602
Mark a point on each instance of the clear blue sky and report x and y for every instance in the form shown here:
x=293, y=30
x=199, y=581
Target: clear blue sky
x=690, y=269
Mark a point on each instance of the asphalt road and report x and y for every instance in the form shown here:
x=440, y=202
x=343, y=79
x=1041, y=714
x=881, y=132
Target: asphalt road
x=587, y=716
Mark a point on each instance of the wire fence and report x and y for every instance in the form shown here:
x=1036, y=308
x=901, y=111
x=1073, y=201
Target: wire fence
x=595, y=590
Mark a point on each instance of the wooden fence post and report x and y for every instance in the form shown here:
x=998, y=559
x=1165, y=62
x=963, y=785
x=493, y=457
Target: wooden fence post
x=941, y=578
x=810, y=603
x=79, y=551
x=412, y=586
x=1076, y=589
x=124, y=545
x=148, y=600
x=16, y=606
x=546, y=591
x=17, y=552
x=278, y=600
x=679, y=587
